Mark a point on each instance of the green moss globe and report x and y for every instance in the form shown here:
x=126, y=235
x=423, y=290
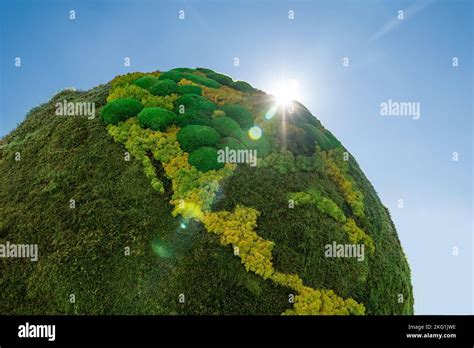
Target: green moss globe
x=138, y=180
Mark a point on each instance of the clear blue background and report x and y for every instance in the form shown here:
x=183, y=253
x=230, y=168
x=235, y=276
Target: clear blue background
x=407, y=60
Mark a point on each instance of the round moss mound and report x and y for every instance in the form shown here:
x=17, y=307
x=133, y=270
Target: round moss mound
x=302, y=115
x=190, y=89
x=231, y=144
x=205, y=159
x=205, y=70
x=184, y=70
x=193, y=117
x=120, y=109
x=156, y=118
x=174, y=75
x=194, y=103
x=334, y=141
x=221, y=78
x=145, y=81
x=202, y=80
x=194, y=136
x=315, y=135
x=189, y=74
x=164, y=87
x=262, y=145
x=242, y=86
x=226, y=126
x=240, y=114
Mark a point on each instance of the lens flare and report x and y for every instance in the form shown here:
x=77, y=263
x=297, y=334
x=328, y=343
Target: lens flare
x=271, y=112
x=161, y=249
x=255, y=133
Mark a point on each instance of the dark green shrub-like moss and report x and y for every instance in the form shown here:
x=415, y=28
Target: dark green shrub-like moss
x=204, y=159
x=145, y=81
x=202, y=80
x=239, y=114
x=302, y=114
x=194, y=103
x=120, y=109
x=184, y=73
x=194, y=136
x=221, y=78
x=314, y=134
x=262, y=145
x=296, y=140
x=334, y=141
x=164, y=87
x=174, y=75
x=184, y=70
x=226, y=126
x=205, y=70
x=193, y=117
x=156, y=118
x=231, y=143
x=242, y=86
x=190, y=89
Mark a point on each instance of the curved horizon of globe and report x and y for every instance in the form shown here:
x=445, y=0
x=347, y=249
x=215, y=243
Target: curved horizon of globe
x=175, y=124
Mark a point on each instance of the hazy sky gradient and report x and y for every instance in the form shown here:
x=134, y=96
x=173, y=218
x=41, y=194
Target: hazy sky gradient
x=403, y=60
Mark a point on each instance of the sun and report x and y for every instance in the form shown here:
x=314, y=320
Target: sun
x=286, y=91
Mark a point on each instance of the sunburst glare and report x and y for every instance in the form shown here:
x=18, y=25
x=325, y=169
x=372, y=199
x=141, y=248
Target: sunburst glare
x=286, y=91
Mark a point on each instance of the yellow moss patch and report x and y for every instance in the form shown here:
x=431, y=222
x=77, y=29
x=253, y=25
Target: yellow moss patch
x=222, y=95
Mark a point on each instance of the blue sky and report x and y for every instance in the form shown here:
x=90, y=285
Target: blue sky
x=403, y=60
